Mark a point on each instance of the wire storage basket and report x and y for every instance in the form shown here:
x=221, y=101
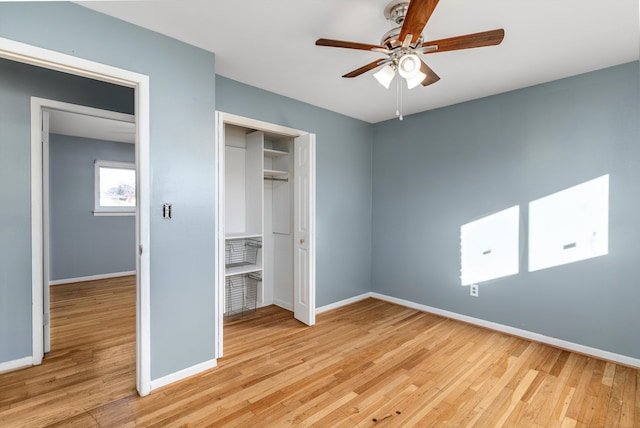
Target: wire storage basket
x=241, y=293
x=239, y=252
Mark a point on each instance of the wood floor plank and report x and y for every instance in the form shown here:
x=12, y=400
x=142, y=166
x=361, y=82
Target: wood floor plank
x=614, y=410
x=367, y=361
x=636, y=417
x=582, y=382
x=516, y=396
x=628, y=398
x=561, y=373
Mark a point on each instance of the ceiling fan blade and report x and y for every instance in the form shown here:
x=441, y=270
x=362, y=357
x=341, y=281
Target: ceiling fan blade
x=418, y=14
x=432, y=77
x=475, y=40
x=349, y=45
x=365, y=68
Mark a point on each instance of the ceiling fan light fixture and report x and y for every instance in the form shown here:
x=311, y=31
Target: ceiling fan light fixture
x=402, y=45
x=385, y=75
x=409, y=66
x=414, y=81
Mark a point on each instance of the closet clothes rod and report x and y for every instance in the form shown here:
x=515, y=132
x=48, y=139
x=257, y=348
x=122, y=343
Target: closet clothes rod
x=276, y=179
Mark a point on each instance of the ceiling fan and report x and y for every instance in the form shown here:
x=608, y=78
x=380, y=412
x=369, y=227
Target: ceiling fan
x=403, y=44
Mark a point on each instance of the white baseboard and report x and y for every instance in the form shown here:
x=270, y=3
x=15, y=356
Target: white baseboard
x=183, y=374
x=92, y=277
x=284, y=305
x=344, y=302
x=536, y=337
x=20, y=363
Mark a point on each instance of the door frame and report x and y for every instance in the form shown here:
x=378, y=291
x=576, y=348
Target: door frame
x=40, y=108
x=223, y=119
x=49, y=59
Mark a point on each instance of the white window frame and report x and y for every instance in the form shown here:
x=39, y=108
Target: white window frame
x=100, y=210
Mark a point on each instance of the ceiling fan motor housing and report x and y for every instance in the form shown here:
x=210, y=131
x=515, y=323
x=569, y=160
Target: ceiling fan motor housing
x=392, y=40
x=396, y=11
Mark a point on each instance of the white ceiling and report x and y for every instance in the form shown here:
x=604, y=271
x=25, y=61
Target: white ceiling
x=98, y=128
x=270, y=45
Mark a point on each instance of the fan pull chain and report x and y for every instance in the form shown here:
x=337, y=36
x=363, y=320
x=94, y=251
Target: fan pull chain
x=399, y=98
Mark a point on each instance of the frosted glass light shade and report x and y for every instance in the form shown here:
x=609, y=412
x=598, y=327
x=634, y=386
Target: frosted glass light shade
x=385, y=75
x=409, y=66
x=415, y=80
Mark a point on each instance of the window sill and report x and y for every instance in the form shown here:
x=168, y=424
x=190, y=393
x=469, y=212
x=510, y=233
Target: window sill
x=113, y=213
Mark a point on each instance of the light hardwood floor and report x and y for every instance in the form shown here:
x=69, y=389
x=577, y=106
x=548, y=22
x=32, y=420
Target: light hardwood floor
x=368, y=364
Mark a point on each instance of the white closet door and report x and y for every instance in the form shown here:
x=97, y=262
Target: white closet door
x=304, y=296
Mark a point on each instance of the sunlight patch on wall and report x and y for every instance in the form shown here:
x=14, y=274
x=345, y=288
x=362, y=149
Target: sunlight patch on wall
x=569, y=225
x=489, y=247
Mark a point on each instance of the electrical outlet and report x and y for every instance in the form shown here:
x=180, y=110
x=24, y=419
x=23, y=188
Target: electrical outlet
x=473, y=290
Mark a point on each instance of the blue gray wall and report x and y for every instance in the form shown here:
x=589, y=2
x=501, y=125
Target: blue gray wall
x=182, y=92
x=83, y=244
x=437, y=170
x=343, y=183
x=18, y=83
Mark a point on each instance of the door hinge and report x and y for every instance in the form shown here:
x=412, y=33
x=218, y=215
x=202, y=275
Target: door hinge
x=45, y=318
x=140, y=249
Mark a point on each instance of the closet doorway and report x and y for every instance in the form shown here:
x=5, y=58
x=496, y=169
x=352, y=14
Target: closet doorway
x=265, y=218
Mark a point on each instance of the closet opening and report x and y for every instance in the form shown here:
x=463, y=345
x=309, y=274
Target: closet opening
x=266, y=220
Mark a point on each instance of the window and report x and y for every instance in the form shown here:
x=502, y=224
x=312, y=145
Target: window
x=489, y=247
x=115, y=188
x=569, y=225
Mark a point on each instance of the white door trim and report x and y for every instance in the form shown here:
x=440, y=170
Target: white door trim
x=245, y=122
x=42, y=118
x=28, y=54
x=219, y=237
x=258, y=125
